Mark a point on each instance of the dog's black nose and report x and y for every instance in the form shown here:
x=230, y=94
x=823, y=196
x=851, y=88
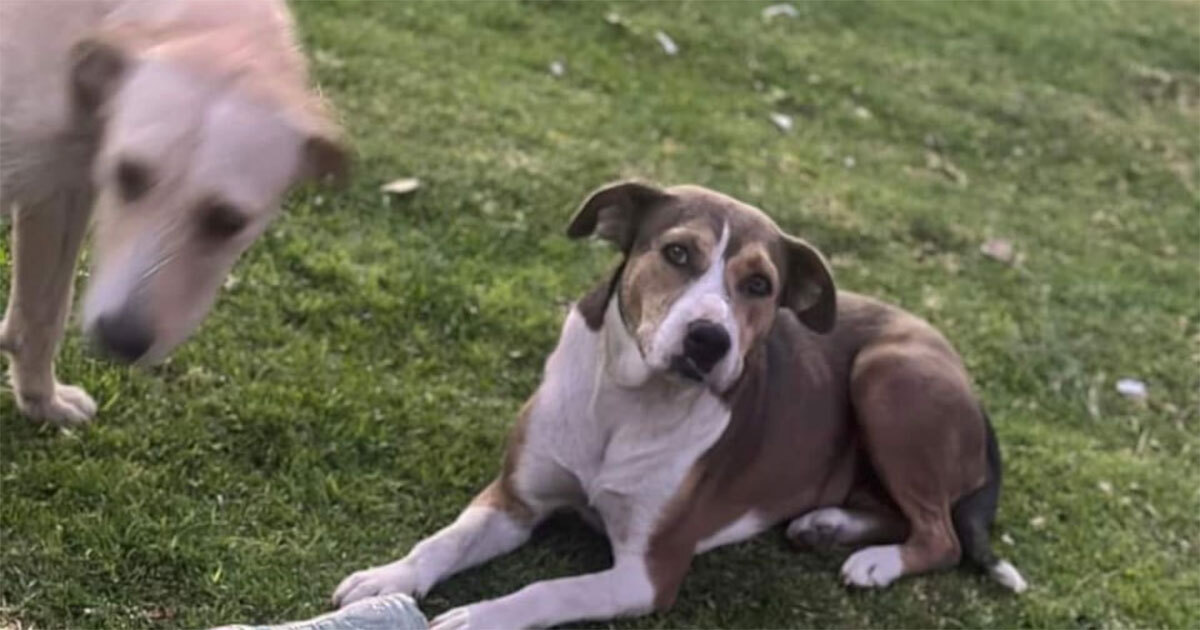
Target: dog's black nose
x=705, y=344
x=123, y=337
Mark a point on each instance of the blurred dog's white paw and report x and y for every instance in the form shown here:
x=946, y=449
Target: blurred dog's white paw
x=66, y=406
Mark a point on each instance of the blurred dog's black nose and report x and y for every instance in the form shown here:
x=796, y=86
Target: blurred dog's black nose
x=123, y=337
x=705, y=344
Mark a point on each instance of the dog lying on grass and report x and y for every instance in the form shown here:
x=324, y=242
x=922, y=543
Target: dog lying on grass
x=717, y=385
x=182, y=124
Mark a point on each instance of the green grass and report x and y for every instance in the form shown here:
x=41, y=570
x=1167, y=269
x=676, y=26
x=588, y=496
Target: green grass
x=352, y=391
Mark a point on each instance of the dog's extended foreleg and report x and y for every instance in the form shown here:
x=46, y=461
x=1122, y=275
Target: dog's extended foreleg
x=622, y=591
x=482, y=531
x=46, y=241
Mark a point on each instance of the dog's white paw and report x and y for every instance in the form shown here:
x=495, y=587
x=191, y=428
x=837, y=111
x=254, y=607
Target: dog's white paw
x=66, y=406
x=825, y=527
x=453, y=619
x=397, y=577
x=873, y=567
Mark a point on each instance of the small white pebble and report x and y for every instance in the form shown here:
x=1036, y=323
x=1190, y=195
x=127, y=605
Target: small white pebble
x=862, y=113
x=558, y=68
x=1037, y=522
x=849, y=161
x=668, y=44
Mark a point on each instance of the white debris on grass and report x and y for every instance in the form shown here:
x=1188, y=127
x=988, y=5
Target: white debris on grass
x=862, y=113
x=849, y=161
x=401, y=186
x=783, y=121
x=779, y=10
x=668, y=44
x=1132, y=388
x=558, y=68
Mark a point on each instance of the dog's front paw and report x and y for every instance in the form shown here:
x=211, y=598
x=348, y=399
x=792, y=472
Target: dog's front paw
x=397, y=577
x=64, y=406
x=453, y=619
x=873, y=566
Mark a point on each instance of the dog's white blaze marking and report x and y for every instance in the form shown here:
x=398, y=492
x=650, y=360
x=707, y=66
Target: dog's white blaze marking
x=749, y=524
x=1007, y=575
x=479, y=533
x=873, y=566
x=706, y=298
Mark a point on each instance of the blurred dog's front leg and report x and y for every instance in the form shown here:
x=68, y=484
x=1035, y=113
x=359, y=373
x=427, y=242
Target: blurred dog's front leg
x=45, y=246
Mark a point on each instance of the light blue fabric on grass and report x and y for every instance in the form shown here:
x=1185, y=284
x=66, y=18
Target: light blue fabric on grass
x=386, y=612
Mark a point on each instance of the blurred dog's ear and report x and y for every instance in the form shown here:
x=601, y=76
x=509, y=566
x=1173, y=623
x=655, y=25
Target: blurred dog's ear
x=97, y=65
x=809, y=290
x=325, y=157
x=615, y=211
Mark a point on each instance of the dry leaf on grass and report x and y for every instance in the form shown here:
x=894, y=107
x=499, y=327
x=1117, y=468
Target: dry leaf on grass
x=1000, y=249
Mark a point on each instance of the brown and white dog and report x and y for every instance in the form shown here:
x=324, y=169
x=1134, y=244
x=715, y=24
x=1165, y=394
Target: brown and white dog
x=182, y=122
x=717, y=385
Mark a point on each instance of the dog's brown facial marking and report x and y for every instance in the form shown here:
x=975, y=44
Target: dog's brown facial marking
x=190, y=171
x=703, y=277
x=659, y=273
x=755, y=275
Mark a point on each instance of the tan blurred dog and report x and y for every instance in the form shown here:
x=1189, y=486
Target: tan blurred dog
x=182, y=123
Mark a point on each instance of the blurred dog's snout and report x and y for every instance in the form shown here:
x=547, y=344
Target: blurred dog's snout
x=122, y=336
x=705, y=344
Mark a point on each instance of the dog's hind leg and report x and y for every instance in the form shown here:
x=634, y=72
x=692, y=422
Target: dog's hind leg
x=46, y=241
x=925, y=437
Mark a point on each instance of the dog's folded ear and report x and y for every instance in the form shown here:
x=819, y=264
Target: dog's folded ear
x=97, y=65
x=325, y=155
x=809, y=290
x=614, y=212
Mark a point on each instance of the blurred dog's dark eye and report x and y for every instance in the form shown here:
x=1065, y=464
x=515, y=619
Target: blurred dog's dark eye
x=222, y=221
x=676, y=254
x=133, y=180
x=757, y=285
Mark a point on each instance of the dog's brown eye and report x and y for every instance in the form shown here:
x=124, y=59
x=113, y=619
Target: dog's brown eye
x=676, y=254
x=222, y=221
x=757, y=285
x=133, y=180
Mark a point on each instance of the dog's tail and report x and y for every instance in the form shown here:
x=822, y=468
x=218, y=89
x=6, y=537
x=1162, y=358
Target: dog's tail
x=973, y=515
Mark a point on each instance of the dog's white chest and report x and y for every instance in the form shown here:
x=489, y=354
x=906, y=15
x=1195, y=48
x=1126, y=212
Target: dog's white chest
x=628, y=449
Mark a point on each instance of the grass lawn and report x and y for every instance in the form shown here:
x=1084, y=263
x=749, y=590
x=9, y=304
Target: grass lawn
x=351, y=390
